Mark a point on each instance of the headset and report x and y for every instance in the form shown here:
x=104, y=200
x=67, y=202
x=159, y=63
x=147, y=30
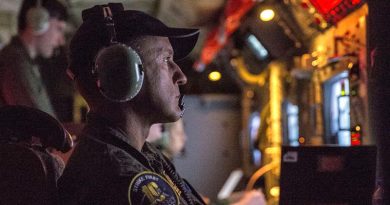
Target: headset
x=37, y=18
x=118, y=68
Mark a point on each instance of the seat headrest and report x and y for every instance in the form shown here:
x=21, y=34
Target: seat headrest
x=19, y=123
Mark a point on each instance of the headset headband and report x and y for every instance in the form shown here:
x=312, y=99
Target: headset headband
x=109, y=21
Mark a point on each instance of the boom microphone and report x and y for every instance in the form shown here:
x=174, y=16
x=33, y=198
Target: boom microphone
x=181, y=105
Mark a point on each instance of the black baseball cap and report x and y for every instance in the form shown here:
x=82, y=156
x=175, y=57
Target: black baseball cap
x=92, y=35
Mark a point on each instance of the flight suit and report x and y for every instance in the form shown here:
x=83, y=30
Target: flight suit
x=105, y=169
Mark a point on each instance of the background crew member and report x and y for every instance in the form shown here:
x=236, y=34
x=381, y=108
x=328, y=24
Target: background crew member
x=41, y=25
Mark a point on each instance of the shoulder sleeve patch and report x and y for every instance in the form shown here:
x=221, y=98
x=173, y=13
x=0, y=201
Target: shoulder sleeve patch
x=150, y=188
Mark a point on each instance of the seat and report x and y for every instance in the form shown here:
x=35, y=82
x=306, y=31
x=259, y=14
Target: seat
x=28, y=171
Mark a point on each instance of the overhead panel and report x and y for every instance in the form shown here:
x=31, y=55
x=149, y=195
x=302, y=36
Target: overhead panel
x=276, y=36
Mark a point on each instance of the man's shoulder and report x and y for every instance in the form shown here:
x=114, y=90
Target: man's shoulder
x=92, y=153
x=13, y=50
x=100, y=172
x=13, y=55
x=87, y=159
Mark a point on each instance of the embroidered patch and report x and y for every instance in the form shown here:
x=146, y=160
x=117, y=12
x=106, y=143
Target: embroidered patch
x=150, y=188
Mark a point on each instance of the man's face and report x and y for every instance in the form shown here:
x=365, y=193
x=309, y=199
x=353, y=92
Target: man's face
x=51, y=39
x=160, y=92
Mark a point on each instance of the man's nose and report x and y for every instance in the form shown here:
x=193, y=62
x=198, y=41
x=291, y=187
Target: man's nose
x=181, y=78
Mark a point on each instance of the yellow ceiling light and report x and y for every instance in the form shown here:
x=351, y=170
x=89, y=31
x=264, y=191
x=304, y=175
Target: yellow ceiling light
x=215, y=76
x=357, y=128
x=323, y=25
x=275, y=191
x=267, y=15
x=350, y=65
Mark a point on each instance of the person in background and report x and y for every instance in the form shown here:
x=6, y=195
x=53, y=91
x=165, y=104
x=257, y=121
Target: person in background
x=170, y=138
x=41, y=27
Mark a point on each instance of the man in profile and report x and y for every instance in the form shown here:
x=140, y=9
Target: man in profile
x=124, y=65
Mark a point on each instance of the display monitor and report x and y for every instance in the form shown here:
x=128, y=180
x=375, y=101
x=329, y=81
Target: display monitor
x=327, y=175
x=334, y=10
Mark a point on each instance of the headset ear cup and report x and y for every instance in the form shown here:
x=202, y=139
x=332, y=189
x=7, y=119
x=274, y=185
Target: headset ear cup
x=119, y=72
x=37, y=19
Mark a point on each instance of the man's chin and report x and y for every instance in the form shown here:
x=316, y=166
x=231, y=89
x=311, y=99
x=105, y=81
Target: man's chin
x=175, y=117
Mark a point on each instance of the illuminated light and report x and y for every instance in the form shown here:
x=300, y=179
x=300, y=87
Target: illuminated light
x=362, y=19
x=314, y=63
x=272, y=150
x=355, y=2
x=215, y=76
x=301, y=140
x=357, y=128
x=250, y=93
x=324, y=6
x=355, y=136
x=267, y=15
x=314, y=54
x=274, y=191
x=233, y=62
x=320, y=48
x=324, y=25
x=356, y=139
x=258, y=49
x=334, y=10
x=350, y=65
x=312, y=10
x=199, y=66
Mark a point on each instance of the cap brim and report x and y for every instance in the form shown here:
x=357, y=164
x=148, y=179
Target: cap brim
x=183, y=41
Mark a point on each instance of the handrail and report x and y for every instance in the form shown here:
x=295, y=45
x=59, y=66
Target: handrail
x=260, y=172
